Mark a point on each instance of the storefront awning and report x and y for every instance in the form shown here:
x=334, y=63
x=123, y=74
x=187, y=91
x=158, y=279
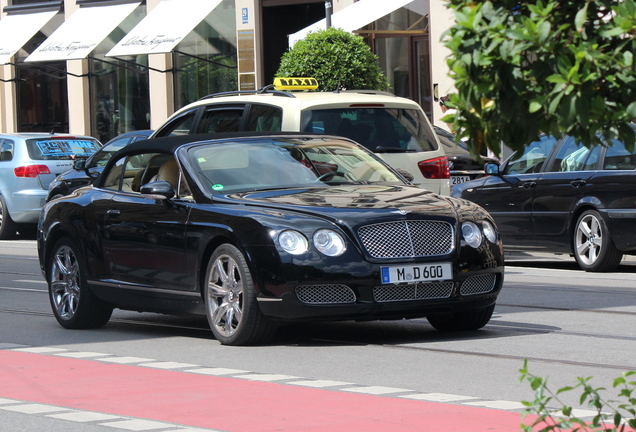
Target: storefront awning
x=17, y=29
x=165, y=26
x=82, y=32
x=353, y=17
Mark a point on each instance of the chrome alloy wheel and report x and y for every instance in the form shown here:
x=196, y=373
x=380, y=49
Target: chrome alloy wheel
x=65, y=283
x=588, y=239
x=225, y=295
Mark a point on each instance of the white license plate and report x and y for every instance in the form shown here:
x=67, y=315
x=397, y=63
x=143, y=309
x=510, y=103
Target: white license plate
x=416, y=273
x=455, y=180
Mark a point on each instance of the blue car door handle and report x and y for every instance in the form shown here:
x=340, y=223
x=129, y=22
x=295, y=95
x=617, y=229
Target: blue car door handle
x=113, y=213
x=578, y=183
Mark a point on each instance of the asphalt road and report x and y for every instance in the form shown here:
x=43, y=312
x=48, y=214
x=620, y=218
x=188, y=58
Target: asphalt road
x=389, y=375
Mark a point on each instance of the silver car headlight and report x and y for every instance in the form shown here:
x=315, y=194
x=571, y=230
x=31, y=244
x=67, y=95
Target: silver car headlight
x=329, y=242
x=489, y=231
x=472, y=234
x=293, y=242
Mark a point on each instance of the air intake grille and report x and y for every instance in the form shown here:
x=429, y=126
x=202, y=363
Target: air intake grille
x=421, y=291
x=325, y=294
x=478, y=284
x=405, y=239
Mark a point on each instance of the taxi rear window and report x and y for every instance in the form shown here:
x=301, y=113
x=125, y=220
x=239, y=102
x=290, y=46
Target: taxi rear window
x=381, y=130
x=61, y=149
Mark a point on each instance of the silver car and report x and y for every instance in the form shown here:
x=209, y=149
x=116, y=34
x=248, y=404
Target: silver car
x=28, y=163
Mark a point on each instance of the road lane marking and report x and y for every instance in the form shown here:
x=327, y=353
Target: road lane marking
x=136, y=425
x=33, y=408
x=439, y=397
x=167, y=365
x=376, y=390
x=124, y=360
x=84, y=416
x=216, y=371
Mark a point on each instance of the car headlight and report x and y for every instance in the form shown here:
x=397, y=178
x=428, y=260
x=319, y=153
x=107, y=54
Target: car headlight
x=293, y=242
x=472, y=234
x=329, y=242
x=489, y=231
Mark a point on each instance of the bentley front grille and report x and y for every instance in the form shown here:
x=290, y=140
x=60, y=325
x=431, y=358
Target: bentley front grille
x=420, y=291
x=478, y=284
x=325, y=294
x=406, y=239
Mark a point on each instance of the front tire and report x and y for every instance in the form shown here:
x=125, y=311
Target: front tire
x=594, y=248
x=230, y=300
x=462, y=321
x=73, y=303
x=8, y=227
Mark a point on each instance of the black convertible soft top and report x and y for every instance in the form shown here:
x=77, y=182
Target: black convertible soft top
x=170, y=144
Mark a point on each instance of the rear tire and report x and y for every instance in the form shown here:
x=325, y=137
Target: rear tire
x=8, y=228
x=73, y=303
x=462, y=321
x=230, y=300
x=594, y=248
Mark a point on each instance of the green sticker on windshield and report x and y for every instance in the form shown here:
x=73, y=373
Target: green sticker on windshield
x=217, y=187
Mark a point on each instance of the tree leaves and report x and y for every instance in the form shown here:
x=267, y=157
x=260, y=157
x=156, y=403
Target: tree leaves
x=562, y=66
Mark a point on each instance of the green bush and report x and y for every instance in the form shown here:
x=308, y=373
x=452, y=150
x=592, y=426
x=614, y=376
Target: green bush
x=553, y=415
x=337, y=59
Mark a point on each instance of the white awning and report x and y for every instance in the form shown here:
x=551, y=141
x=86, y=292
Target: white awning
x=82, y=32
x=353, y=17
x=165, y=26
x=16, y=30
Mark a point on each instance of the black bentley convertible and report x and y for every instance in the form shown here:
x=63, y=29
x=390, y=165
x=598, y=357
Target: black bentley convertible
x=257, y=230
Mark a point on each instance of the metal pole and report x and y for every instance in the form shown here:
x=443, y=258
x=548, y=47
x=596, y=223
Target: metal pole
x=328, y=10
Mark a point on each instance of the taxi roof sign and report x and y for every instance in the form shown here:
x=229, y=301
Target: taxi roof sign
x=295, y=83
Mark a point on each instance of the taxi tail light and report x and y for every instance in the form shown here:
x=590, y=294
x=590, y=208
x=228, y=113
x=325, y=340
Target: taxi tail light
x=31, y=171
x=436, y=168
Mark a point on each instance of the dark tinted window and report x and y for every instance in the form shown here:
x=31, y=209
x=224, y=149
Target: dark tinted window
x=378, y=129
x=618, y=158
x=178, y=126
x=6, y=150
x=60, y=149
x=264, y=118
x=573, y=156
x=532, y=158
x=220, y=120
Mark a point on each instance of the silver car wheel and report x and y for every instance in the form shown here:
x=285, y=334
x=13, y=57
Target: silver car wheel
x=588, y=239
x=65, y=283
x=225, y=295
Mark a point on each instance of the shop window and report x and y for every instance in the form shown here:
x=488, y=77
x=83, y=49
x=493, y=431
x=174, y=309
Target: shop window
x=206, y=61
x=120, y=92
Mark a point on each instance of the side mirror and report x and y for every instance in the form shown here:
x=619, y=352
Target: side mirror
x=160, y=190
x=79, y=164
x=492, y=169
x=404, y=173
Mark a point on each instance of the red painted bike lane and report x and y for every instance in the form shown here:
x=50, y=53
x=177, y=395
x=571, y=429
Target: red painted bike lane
x=229, y=404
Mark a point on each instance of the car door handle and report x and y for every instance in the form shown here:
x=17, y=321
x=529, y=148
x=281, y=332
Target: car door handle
x=529, y=185
x=114, y=213
x=578, y=183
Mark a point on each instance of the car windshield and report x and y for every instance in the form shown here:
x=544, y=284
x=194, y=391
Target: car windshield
x=61, y=148
x=234, y=167
x=381, y=130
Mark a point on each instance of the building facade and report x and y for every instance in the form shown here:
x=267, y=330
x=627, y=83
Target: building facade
x=104, y=67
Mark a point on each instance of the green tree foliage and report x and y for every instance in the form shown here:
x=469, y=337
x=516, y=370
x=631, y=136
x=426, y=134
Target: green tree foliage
x=337, y=59
x=562, y=66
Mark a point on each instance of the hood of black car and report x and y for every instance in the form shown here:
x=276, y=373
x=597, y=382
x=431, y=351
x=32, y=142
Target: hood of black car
x=356, y=201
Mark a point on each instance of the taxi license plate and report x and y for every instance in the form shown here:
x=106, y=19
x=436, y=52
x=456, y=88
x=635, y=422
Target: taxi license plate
x=455, y=180
x=416, y=273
